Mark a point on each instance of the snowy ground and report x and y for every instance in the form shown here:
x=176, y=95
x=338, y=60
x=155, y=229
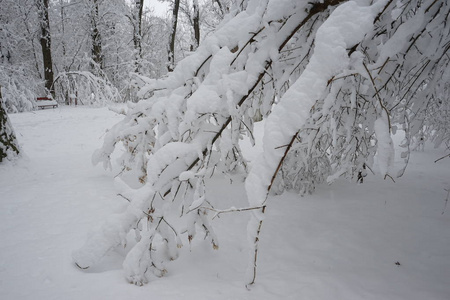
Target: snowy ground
x=378, y=240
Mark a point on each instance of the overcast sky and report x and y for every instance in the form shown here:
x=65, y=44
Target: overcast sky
x=160, y=9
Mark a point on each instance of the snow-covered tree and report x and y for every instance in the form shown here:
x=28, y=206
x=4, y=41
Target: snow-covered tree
x=46, y=45
x=135, y=18
x=19, y=65
x=9, y=147
x=92, y=36
x=85, y=88
x=333, y=79
x=211, y=13
x=197, y=19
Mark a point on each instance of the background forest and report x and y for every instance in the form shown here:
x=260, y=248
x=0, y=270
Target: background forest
x=88, y=48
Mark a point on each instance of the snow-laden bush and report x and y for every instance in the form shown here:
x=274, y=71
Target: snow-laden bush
x=333, y=79
x=18, y=89
x=19, y=77
x=86, y=88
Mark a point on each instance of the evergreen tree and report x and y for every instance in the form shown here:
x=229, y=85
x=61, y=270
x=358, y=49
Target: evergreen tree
x=8, y=143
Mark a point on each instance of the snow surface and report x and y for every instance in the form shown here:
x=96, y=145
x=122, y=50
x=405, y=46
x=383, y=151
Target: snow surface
x=343, y=242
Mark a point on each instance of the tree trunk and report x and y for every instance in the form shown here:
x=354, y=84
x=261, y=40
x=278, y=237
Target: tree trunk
x=63, y=40
x=196, y=24
x=46, y=44
x=171, y=63
x=137, y=38
x=8, y=142
x=97, y=55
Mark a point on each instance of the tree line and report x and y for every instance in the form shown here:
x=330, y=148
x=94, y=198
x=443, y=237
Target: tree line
x=83, y=51
x=50, y=45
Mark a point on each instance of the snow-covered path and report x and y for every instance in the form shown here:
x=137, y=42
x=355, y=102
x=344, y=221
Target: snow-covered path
x=48, y=197
x=341, y=243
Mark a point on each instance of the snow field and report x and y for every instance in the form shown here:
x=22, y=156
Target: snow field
x=343, y=242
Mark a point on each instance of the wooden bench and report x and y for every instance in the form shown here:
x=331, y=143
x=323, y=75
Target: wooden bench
x=43, y=102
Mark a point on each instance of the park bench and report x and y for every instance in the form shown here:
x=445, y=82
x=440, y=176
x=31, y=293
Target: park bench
x=44, y=102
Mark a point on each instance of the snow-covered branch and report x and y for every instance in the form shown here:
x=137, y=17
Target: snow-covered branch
x=332, y=79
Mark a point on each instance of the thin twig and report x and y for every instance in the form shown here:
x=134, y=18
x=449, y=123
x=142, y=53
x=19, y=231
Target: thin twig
x=124, y=197
x=170, y=226
x=448, y=155
x=446, y=200
x=387, y=175
x=378, y=96
x=229, y=210
x=289, y=146
x=251, y=40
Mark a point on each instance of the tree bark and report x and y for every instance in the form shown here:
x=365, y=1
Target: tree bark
x=97, y=54
x=171, y=51
x=196, y=24
x=63, y=40
x=46, y=44
x=137, y=37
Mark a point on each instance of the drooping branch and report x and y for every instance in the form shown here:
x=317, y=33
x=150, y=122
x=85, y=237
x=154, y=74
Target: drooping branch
x=263, y=208
x=316, y=98
x=164, y=171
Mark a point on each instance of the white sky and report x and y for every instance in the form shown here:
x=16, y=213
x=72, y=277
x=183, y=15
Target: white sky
x=160, y=9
